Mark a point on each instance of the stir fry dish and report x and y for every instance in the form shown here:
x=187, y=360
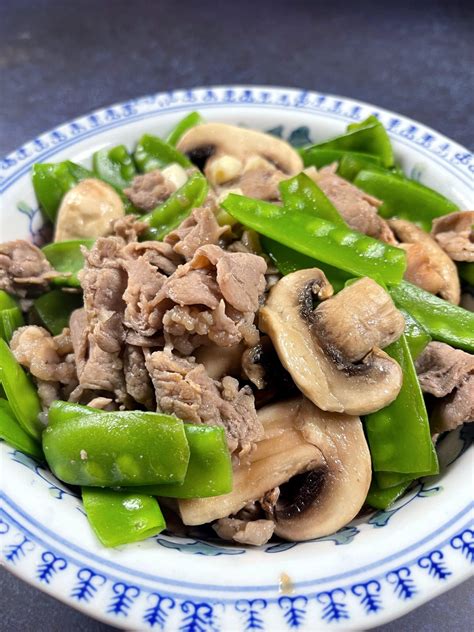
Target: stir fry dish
x=236, y=337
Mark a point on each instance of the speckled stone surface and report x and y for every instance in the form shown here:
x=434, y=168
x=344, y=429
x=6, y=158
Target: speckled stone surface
x=61, y=59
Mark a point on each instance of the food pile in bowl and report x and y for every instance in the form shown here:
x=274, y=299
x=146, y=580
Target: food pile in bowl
x=237, y=334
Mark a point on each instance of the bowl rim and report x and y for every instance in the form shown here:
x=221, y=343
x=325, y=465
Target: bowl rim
x=438, y=148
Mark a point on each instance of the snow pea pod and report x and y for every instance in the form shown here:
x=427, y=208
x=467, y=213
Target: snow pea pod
x=442, y=320
x=404, y=198
x=166, y=217
x=117, y=449
x=314, y=157
x=338, y=246
x=302, y=194
x=392, y=479
x=384, y=498
x=288, y=260
x=368, y=137
x=122, y=517
x=20, y=392
x=51, y=181
x=114, y=166
x=66, y=256
x=191, y=120
x=54, y=309
x=209, y=470
x=154, y=153
x=10, y=316
x=417, y=337
x=399, y=435
x=14, y=435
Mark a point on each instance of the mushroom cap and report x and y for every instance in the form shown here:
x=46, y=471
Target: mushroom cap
x=327, y=497
x=440, y=263
x=87, y=210
x=324, y=370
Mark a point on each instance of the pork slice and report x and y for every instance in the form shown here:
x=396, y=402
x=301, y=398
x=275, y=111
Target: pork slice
x=255, y=533
x=35, y=349
x=261, y=182
x=184, y=389
x=359, y=209
x=149, y=190
x=24, y=270
x=199, y=229
x=192, y=287
x=420, y=270
x=144, y=283
x=455, y=234
x=129, y=228
x=456, y=408
x=137, y=380
x=157, y=253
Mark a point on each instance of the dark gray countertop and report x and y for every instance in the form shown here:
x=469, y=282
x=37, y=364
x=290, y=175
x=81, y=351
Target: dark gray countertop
x=62, y=59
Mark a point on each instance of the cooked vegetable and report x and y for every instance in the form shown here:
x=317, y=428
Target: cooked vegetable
x=52, y=181
x=154, y=153
x=122, y=517
x=302, y=194
x=442, y=320
x=384, y=498
x=404, y=198
x=338, y=246
x=20, y=392
x=416, y=336
x=177, y=207
x=399, y=435
x=117, y=449
x=66, y=256
x=191, y=120
x=392, y=479
x=114, y=166
x=54, y=309
x=369, y=137
x=14, y=435
x=10, y=316
x=353, y=161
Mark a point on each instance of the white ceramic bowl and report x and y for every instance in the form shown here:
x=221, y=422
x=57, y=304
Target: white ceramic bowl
x=371, y=571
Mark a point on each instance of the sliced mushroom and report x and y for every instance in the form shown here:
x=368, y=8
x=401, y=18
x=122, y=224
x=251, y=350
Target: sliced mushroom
x=88, y=210
x=436, y=271
x=320, y=461
x=241, y=160
x=455, y=234
x=332, y=352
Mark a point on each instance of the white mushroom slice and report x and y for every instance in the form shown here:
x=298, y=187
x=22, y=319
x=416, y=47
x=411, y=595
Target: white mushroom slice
x=227, y=154
x=320, y=461
x=437, y=261
x=175, y=174
x=88, y=210
x=324, y=370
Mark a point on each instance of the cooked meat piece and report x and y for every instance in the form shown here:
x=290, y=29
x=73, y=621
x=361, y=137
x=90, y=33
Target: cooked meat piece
x=199, y=229
x=137, y=380
x=101, y=403
x=48, y=392
x=261, y=180
x=359, y=209
x=269, y=500
x=24, y=270
x=147, y=342
x=149, y=190
x=103, y=281
x=455, y=234
x=219, y=361
x=192, y=287
x=255, y=533
x=449, y=374
x=37, y=350
x=420, y=270
x=184, y=389
x=129, y=228
x=156, y=253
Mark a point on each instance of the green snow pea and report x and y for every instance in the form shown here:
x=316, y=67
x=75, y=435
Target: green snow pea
x=384, y=498
x=51, y=181
x=10, y=316
x=367, y=137
x=116, y=449
x=302, y=194
x=54, y=309
x=209, y=470
x=122, y=517
x=338, y=246
x=154, y=153
x=66, y=256
x=399, y=435
x=314, y=157
x=442, y=320
x=166, y=217
x=20, y=392
x=114, y=166
x=189, y=121
x=352, y=163
x=404, y=198
x=392, y=479
x=288, y=260
x=416, y=336
x=14, y=435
